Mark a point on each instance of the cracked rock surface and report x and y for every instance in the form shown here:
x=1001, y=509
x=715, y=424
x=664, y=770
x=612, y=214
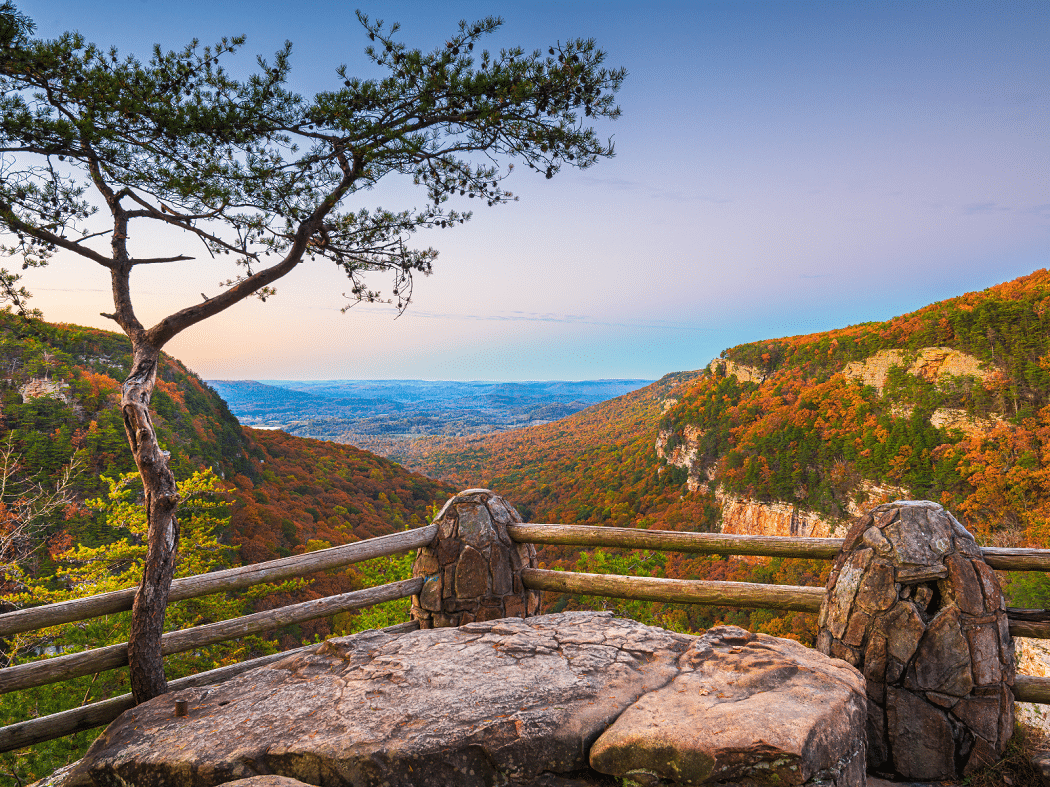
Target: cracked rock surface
x=516, y=702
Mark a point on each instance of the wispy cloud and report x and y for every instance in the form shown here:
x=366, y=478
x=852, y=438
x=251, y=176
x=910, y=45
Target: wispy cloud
x=620, y=184
x=680, y=196
x=980, y=208
x=552, y=317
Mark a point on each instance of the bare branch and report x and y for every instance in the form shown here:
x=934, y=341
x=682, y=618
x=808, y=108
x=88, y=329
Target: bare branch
x=155, y=260
x=11, y=219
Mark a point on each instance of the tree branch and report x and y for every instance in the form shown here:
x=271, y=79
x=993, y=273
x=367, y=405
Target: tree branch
x=12, y=220
x=164, y=330
x=155, y=260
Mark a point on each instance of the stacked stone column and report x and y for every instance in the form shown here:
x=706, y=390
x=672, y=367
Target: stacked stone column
x=473, y=569
x=913, y=605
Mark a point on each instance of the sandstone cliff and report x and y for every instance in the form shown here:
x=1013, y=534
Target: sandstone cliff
x=745, y=374
x=929, y=363
x=741, y=516
x=40, y=386
x=786, y=518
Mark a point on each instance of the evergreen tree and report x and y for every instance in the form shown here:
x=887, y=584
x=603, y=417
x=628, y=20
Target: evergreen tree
x=257, y=173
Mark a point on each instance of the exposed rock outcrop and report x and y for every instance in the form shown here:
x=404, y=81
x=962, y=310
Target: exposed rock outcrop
x=752, y=518
x=745, y=374
x=683, y=455
x=913, y=604
x=741, y=516
x=952, y=418
x=509, y=702
x=930, y=363
x=41, y=386
x=748, y=709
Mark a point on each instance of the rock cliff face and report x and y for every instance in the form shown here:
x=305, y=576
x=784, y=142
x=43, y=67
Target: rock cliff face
x=753, y=518
x=683, y=455
x=745, y=374
x=565, y=700
x=930, y=363
x=949, y=418
x=749, y=517
x=40, y=386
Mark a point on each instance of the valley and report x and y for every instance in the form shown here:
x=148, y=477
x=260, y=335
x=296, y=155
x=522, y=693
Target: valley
x=790, y=436
x=388, y=416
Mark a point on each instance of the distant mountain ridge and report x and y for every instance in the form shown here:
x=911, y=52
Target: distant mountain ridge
x=352, y=411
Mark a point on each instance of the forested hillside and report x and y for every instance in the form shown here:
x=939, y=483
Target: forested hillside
x=71, y=521
x=948, y=403
x=596, y=466
x=60, y=388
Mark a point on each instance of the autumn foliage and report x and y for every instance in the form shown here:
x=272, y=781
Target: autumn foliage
x=803, y=432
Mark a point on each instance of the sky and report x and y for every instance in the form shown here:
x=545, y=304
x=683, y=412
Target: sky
x=781, y=168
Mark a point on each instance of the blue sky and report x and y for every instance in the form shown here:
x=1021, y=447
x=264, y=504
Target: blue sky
x=781, y=168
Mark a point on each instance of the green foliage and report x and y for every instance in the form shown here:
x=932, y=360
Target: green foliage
x=1028, y=590
x=1007, y=326
x=625, y=563
x=177, y=140
x=86, y=571
x=372, y=573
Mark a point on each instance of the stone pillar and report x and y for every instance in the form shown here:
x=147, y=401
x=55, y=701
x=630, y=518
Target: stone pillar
x=913, y=605
x=472, y=568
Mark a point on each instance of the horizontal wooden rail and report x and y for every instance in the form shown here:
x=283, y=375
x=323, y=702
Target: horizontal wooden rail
x=218, y=581
x=58, y=725
x=1005, y=559
x=721, y=594
x=1028, y=628
x=1029, y=688
x=39, y=673
x=680, y=591
x=674, y=541
x=999, y=558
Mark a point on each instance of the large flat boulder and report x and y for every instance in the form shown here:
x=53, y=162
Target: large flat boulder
x=744, y=709
x=517, y=702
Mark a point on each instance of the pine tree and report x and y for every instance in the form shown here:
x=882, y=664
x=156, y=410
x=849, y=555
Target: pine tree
x=258, y=175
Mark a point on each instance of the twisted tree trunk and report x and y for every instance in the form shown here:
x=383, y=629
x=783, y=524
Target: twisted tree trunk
x=151, y=600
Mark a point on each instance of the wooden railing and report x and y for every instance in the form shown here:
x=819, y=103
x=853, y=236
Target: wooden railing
x=1023, y=622
x=60, y=668
x=1027, y=623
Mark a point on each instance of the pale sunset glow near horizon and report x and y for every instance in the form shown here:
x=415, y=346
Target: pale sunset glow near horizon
x=781, y=168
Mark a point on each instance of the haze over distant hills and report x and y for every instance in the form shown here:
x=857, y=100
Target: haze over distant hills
x=352, y=411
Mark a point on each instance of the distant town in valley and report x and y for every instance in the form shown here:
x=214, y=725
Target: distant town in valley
x=378, y=414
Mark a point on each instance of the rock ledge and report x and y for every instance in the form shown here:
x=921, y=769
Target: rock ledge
x=550, y=701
